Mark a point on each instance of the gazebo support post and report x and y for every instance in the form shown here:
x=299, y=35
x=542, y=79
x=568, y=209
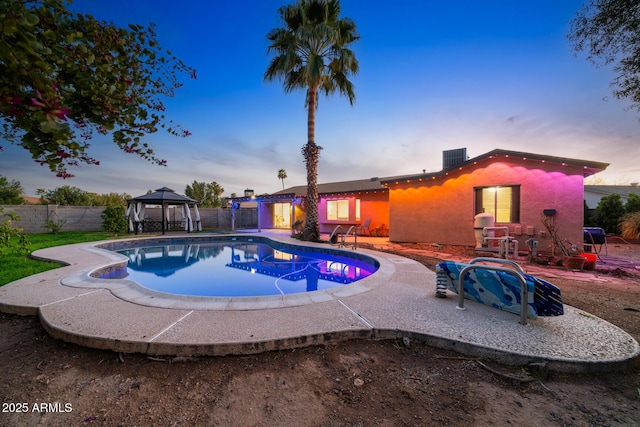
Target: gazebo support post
x=164, y=219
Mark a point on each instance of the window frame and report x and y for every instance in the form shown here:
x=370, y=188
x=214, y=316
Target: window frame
x=339, y=209
x=514, y=203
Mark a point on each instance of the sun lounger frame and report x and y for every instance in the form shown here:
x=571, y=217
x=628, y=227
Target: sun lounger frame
x=515, y=271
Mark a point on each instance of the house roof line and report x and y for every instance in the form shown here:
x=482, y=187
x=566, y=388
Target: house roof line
x=263, y=197
x=589, y=167
x=303, y=193
x=340, y=187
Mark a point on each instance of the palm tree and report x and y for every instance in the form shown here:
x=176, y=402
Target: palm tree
x=312, y=52
x=282, y=175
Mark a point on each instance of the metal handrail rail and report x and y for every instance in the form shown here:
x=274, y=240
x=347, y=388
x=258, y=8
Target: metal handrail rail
x=334, y=232
x=524, y=292
x=515, y=265
x=355, y=237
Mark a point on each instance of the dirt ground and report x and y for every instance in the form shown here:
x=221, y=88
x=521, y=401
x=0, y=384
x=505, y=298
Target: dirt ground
x=44, y=382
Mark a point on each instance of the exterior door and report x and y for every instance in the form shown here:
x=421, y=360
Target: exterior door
x=282, y=215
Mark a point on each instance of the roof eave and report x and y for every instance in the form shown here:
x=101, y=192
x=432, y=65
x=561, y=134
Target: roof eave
x=589, y=167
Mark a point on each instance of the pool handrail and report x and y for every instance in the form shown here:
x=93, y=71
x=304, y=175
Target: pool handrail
x=338, y=231
x=515, y=271
x=355, y=237
x=341, y=236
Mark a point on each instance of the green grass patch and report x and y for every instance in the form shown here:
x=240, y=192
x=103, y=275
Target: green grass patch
x=15, y=265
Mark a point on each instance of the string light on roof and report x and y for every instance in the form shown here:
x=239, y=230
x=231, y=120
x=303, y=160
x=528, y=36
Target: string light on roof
x=442, y=174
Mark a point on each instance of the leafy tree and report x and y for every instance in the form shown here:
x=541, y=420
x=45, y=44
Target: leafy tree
x=282, y=175
x=207, y=195
x=608, y=31
x=114, y=199
x=633, y=203
x=67, y=196
x=312, y=53
x=66, y=76
x=10, y=192
x=608, y=213
x=114, y=219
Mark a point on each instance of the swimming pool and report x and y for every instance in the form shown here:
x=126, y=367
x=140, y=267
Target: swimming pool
x=235, y=267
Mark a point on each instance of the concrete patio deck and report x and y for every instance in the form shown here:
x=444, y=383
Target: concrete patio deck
x=397, y=301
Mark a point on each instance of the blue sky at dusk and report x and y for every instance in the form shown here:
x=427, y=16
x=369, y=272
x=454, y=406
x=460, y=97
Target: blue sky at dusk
x=434, y=75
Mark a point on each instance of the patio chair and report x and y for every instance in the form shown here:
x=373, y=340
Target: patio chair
x=364, y=228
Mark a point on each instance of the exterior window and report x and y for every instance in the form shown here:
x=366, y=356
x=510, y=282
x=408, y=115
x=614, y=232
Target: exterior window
x=357, y=209
x=502, y=202
x=338, y=210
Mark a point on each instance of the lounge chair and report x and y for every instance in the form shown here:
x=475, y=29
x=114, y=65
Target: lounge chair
x=499, y=287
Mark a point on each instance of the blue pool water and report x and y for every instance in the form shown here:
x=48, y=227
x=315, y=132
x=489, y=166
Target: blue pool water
x=239, y=268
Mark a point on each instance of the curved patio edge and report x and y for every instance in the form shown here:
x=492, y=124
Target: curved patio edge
x=396, y=302
x=515, y=358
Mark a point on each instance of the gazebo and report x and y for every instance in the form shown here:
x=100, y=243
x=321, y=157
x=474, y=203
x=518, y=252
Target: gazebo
x=164, y=197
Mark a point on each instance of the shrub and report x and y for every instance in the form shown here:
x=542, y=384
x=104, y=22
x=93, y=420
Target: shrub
x=114, y=219
x=608, y=213
x=633, y=203
x=630, y=226
x=296, y=229
x=9, y=234
x=55, y=225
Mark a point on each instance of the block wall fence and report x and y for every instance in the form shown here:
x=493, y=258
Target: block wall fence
x=33, y=218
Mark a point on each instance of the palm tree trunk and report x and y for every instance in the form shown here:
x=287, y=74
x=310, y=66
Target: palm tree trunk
x=311, y=154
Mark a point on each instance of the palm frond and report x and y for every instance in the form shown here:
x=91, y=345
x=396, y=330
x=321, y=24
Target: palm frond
x=312, y=48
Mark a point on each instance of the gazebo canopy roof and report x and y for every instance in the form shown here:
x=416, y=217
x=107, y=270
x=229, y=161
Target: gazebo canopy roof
x=163, y=196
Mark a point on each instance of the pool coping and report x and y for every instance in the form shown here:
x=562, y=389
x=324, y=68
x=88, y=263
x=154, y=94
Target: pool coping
x=398, y=301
